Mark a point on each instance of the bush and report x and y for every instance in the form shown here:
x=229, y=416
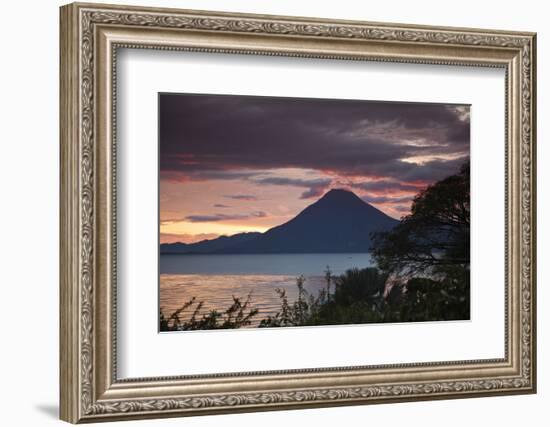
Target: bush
x=430, y=300
x=358, y=298
x=236, y=316
x=355, y=285
x=304, y=311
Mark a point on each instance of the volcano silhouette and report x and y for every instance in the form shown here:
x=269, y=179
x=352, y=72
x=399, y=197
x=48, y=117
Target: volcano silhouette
x=338, y=222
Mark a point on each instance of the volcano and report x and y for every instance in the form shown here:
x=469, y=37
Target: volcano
x=339, y=222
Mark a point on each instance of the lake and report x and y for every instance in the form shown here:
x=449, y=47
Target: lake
x=215, y=279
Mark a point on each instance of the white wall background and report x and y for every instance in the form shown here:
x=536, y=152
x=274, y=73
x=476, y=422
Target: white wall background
x=29, y=170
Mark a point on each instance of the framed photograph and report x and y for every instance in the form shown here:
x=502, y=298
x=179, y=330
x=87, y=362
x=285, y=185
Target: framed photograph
x=265, y=213
x=323, y=212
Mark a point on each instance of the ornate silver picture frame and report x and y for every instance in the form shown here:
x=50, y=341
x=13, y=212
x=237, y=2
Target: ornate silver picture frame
x=91, y=37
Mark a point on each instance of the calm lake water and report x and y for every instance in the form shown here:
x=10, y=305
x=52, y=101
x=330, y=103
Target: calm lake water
x=215, y=279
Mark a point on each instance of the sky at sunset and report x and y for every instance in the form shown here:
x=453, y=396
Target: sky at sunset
x=231, y=164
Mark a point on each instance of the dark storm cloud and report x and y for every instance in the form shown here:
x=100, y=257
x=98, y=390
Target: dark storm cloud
x=436, y=168
x=313, y=193
x=248, y=197
x=196, y=172
x=276, y=180
x=315, y=187
x=207, y=136
x=404, y=209
x=224, y=217
x=219, y=205
x=386, y=199
x=386, y=185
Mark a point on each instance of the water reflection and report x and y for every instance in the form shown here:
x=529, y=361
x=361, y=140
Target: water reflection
x=217, y=291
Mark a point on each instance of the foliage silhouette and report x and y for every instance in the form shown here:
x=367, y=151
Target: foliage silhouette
x=435, y=237
x=236, y=316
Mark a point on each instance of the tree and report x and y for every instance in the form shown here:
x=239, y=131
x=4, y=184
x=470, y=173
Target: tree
x=434, y=240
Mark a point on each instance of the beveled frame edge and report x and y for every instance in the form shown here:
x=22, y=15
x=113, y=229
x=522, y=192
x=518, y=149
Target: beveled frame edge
x=89, y=390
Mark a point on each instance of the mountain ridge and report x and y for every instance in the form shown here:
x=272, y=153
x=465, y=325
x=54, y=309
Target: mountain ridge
x=206, y=246
x=339, y=222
